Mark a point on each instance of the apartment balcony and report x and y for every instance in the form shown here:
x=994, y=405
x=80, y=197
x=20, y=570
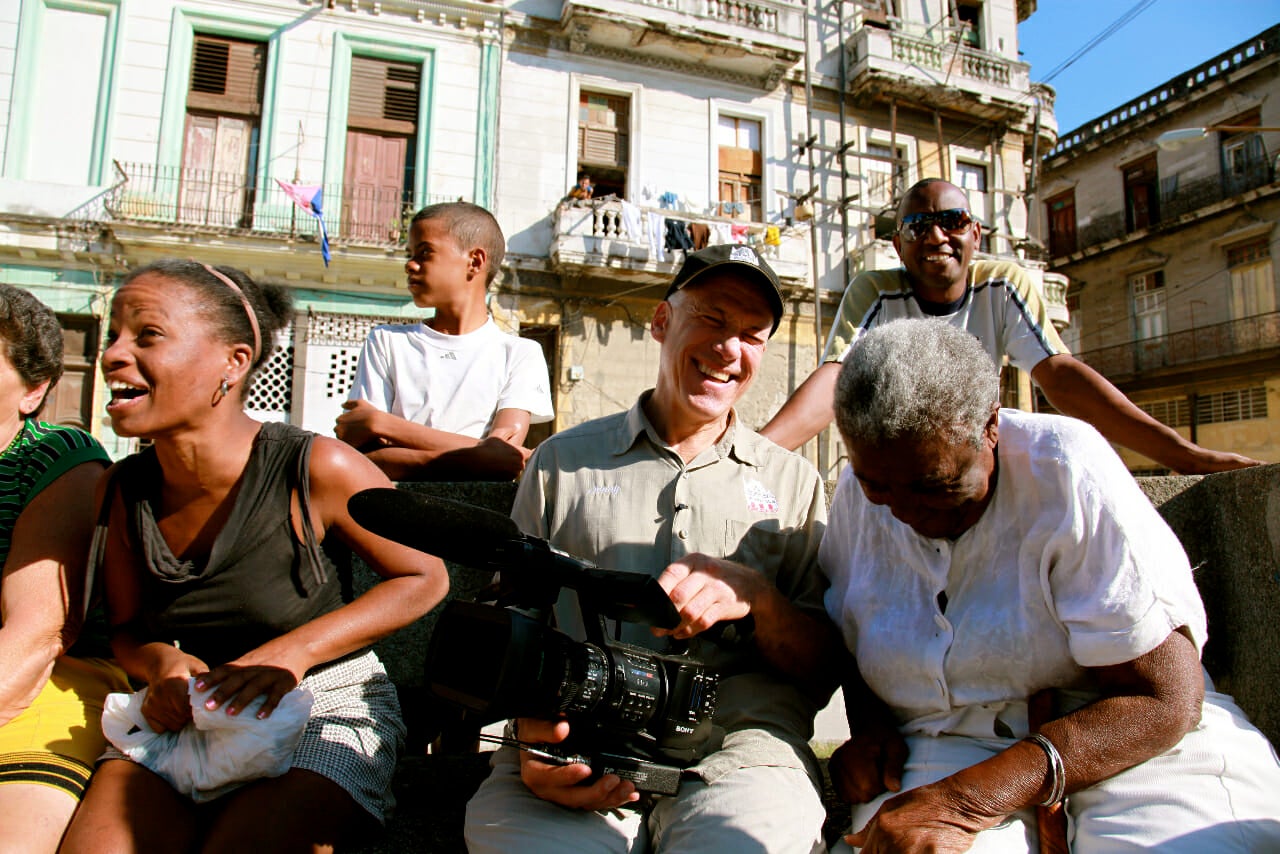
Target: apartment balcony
x=1054, y=286
x=745, y=41
x=937, y=72
x=1235, y=339
x=187, y=200
x=594, y=240
x=1178, y=202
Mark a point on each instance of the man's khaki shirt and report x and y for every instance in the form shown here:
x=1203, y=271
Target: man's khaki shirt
x=611, y=492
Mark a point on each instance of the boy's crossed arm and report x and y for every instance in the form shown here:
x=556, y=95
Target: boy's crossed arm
x=405, y=450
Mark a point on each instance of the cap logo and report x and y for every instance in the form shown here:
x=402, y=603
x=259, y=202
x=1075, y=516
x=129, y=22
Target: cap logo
x=744, y=253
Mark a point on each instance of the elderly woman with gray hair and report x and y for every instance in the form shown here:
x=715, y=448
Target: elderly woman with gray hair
x=981, y=556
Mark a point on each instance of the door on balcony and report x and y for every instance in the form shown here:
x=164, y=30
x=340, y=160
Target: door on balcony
x=740, y=169
x=382, y=124
x=1062, y=223
x=220, y=145
x=604, y=141
x=1141, y=194
x=1150, y=320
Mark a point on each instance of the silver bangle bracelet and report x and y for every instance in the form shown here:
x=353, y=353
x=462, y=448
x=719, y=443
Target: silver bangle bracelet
x=1058, y=789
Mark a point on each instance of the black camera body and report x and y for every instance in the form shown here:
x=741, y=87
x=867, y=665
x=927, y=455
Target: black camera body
x=641, y=714
x=503, y=663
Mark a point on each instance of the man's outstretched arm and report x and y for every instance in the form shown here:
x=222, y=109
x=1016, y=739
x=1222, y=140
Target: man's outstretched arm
x=808, y=411
x=1078, y=390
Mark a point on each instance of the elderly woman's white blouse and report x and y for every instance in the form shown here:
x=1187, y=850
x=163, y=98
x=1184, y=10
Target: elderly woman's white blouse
x=1069, y=567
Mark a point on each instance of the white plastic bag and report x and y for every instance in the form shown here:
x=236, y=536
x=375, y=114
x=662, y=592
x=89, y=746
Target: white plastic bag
x=216, y=752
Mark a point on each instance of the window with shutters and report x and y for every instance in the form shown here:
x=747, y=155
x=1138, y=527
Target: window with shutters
x=741, y=189
x=604, y=139
x=1253, y=280
x=220, y=144
x=972, y=178
x=1148, y=304
x=1141, y=194
x=382, y=126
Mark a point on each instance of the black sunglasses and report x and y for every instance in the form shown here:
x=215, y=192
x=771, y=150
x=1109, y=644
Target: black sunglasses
x=952, y=221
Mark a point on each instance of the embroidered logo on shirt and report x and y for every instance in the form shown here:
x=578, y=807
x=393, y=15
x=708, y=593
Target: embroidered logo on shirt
x=744, y=253
x=448, y=354
x=609, y=489
x=759, y=498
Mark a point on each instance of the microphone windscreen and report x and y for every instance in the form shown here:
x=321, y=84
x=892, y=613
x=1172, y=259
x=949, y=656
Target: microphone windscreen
x=463, y=533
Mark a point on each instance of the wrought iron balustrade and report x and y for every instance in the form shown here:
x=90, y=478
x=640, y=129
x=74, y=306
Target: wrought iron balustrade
x=1189, y=346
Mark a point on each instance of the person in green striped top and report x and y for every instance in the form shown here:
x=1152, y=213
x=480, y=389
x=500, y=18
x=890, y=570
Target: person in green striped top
x=50, y=701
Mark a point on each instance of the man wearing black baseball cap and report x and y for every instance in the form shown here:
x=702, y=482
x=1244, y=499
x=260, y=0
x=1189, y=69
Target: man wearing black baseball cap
x=729, y=523
x=744, y=261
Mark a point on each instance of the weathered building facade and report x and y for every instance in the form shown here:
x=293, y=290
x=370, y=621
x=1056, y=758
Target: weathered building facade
x=1162, y=215
x=792, y=127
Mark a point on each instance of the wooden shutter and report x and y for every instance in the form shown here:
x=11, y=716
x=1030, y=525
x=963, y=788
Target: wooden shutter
x=602, y=129
x=384, y=96
x=226, y=75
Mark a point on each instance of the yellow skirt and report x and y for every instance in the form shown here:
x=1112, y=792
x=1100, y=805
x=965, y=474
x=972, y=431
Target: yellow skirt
x=58, y=738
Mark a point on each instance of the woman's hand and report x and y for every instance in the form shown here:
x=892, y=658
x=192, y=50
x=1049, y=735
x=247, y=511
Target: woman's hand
x=167, y=707
x=269, y=671
x=563, y=784
x=238, y=686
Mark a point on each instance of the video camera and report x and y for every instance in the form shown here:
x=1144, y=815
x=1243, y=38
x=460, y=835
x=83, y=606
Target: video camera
x=634, y=712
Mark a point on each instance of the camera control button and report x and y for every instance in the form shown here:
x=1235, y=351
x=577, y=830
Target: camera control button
x=682, y=534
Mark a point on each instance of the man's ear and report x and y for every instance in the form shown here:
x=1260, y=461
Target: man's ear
x=661, y=317
x=897, y=244
x=477, y=259
x=991, y=432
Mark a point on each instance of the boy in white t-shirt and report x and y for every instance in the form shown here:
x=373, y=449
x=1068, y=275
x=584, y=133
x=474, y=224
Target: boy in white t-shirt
x=450, y=398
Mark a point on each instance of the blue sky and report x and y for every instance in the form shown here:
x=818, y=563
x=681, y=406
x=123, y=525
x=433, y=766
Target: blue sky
x=1166, y=38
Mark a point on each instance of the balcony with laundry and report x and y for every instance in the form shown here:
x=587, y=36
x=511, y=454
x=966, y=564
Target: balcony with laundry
x=742, y=40
x=644, y=244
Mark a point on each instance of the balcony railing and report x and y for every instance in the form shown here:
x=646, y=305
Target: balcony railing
x=937, y=61
x=231, y=202
x=1259, y=47
x=1219, y=341
x=598, y=235
x=1178, y=198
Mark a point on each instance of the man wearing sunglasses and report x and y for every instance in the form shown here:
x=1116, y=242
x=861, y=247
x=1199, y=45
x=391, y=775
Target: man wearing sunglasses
x=995, y=301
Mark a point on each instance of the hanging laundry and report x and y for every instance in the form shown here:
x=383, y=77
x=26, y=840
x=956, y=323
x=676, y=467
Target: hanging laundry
x=772, y=236
x=723, y=233
x=656, y=230
x=631, y=228
x=701, y=234
x=678, y=236
x=668, y=200
x=739, y=233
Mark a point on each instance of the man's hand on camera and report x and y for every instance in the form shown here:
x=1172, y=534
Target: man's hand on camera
x=706, y=590
x=565, y=784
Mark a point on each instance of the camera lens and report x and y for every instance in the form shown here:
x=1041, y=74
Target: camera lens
x=585, y=678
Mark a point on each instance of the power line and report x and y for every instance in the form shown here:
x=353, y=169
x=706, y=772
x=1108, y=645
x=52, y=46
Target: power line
x=1111, y=29
x=1076, y=55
